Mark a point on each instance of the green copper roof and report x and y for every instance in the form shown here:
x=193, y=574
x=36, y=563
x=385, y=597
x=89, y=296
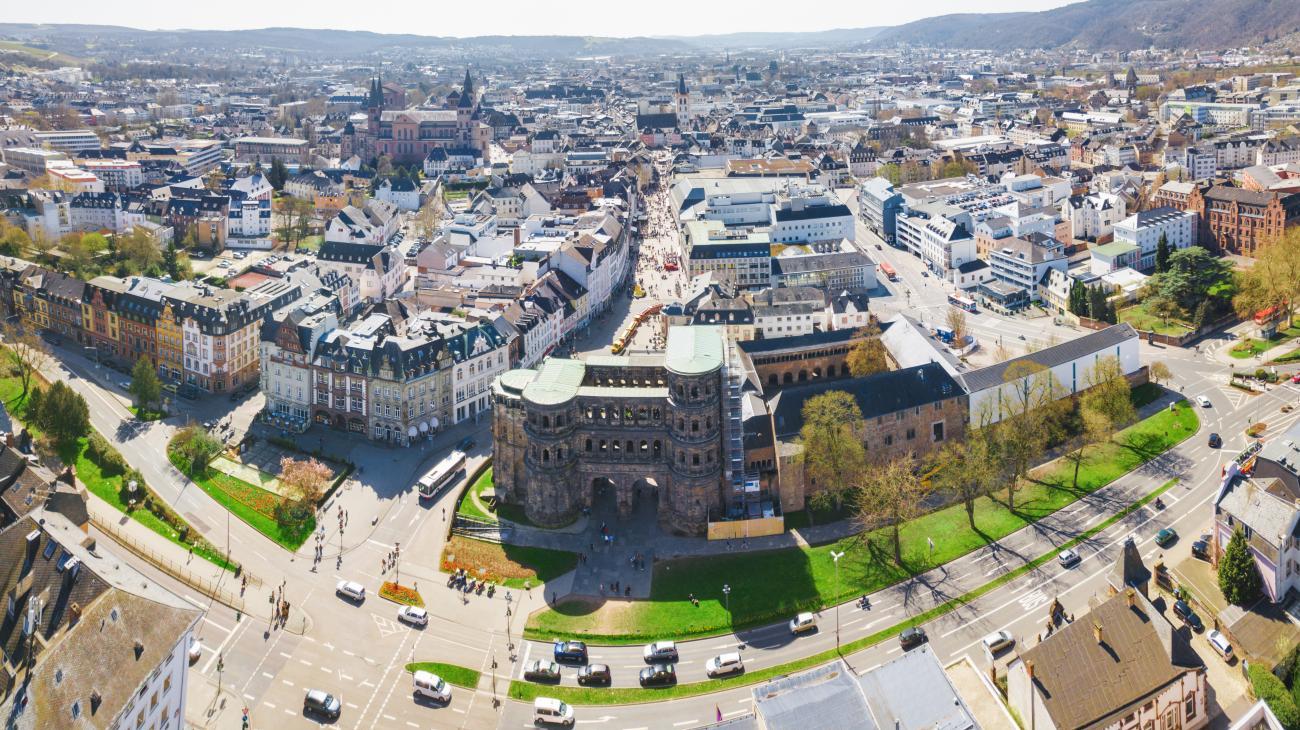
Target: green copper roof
x=516, y=380
x=1115, y=248
x=694, y=350
x=557, y=381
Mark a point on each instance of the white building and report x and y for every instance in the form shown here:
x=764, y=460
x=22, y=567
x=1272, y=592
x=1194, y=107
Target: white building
x=116, y=174
x=286, y=366
x=939, y=233
x=401, y=192
x=1093, y=217
x=1144, y=230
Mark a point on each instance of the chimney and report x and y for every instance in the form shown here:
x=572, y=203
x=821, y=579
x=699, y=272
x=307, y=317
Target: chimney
x=9, y=440
x=68, y=476
x=1029, y=669
x=1131, y=595
x=1096, y=632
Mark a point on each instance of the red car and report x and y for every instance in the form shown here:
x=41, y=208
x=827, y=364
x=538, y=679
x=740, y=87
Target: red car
x=1295, y=378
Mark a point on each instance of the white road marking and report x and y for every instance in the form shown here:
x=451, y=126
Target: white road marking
x=268, y=704
x=684, y=723
x=285, y=681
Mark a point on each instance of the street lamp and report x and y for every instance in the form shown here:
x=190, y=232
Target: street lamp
x=835, y=558
x=726, y=593
x=131, y=488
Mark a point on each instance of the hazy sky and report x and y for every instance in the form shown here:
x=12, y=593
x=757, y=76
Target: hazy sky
x=509, y=17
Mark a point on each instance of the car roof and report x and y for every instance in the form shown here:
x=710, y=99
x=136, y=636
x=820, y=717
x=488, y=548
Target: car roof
x=548, y=702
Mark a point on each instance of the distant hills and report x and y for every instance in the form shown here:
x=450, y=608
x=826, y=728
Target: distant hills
x=1094, y=24
x=1109, y=25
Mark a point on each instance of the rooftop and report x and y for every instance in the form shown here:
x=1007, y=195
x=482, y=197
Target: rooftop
x=694, y=350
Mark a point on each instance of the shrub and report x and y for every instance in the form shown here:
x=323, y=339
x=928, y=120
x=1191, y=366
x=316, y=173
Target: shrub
x=100, y=451
x=1269, y=688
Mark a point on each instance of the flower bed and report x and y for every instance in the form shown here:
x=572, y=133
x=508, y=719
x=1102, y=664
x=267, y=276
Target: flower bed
x=1256, y=429
x=400, y=594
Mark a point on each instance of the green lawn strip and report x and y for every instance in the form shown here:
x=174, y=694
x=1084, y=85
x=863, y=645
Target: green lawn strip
x=773, y=585
x=108, y=486
x=252, y=504
x=459, y=676
x=549, y=564
x=1141, y=319
x=468, y=506
x=147, y=414
x=527, y=691
x=1289, y=357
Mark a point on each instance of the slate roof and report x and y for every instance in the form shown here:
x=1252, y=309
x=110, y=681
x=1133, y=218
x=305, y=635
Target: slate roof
x=992, y=376
x=876, y=395
x=812, y=213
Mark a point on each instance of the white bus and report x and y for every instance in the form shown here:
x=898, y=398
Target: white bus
x=442, y=474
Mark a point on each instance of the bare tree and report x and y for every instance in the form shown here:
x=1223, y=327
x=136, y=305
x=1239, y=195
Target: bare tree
x=1159, y=372
x=893, y=493
x=969, y=468
x=25, y=351
x=833, y=456
x=957, y=323
x=1031, y=419
x=869, y=355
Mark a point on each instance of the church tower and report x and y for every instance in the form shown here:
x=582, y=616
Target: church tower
x=374, y=107
x=683, y=102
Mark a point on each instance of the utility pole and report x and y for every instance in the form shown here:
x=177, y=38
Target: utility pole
x=835, y=557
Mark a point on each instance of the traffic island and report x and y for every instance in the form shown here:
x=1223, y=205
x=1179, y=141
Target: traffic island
x=400, y=594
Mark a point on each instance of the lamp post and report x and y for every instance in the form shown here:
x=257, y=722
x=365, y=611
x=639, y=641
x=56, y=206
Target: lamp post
x=131, y=488
x=835, y=558
x=726, y=594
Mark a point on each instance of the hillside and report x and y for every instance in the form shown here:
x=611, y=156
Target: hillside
x=1109, y=25
x=782, y=40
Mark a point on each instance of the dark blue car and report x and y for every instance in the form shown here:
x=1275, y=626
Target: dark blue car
x=573, y=652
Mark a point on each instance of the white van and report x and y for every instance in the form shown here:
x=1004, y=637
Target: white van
x=551, y=711
x=428, y=684
x=352, y=590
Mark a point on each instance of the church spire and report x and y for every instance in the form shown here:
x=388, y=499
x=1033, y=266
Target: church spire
x=681, y=83
x=467, y=92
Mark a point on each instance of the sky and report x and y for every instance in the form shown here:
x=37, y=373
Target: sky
x=509, y=17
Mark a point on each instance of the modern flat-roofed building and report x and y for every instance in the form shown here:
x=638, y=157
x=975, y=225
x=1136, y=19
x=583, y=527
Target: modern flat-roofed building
x=265, y=149
x=31, y=159
x=1146, y=228
x=70, y=141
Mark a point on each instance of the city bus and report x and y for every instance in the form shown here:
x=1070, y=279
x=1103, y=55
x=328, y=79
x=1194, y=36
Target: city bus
x=962, y=302
x=888, y=271
x=442, y=474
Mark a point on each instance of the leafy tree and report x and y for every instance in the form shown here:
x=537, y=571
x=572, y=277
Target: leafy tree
x=869, y=355
x=139, y=249
x=304, y=482
x=893, y=494
x=63, y=414
x=833, y=456
x=891, y=172
x=1162, y=253
x=1193, y=274
x=169, y=259
x=1238, y=576
x=1078, y=302
x=1274, y=279
x=278, y=175
x=1163, y=307
x=145, y=385
x=196, y=447
x=25, y=352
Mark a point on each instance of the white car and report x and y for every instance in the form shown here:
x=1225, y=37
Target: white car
x=729, y=663
x=997, y=641
x=660, y=651
x=428, y=684
x=1204, y=401
x=1220, y=644
x=351, y=589
x=413, y=615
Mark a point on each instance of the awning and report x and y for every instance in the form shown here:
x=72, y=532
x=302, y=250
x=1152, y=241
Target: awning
x=433, y=423
x=424, y=427
x=412, y=433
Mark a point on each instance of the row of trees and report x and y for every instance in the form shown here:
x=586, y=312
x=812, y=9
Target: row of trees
x=1274, y=279
x=90, y=254
x=996, y=453
x=1091, y=302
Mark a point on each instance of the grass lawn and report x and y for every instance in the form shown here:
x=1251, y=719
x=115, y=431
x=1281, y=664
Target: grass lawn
x=459, y=676
x=146, y=414
x=253, y=505
x=1141, y=319
x=1291, y=356
x=310, y=243
x=107, y=484
x=468, y=507
x=772, y=585
x=1255, y=345
x=527, y=691
x=508, y=565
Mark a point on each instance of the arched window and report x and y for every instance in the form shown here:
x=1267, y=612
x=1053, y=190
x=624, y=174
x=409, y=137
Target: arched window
x=656, y=414
x=817, y=372
x=681, y=457
x=695, y=426
x=645, y=446
x=657, y=449
x=787, y=379
x=695, y=392
x=771, y=379
x=681, y=424
x=695, y=459
x=589, y=446
x=614, y=444
x=546, y=421
x=546, y=455
x=630, y=447
x=708, y=421
x=803, y=375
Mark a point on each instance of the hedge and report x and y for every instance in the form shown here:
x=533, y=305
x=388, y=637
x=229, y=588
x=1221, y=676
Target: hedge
x=1269, y=688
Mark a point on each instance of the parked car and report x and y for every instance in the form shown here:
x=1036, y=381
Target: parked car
x=1201, y=548
x=660, y=651
x=1220, y=644
x=320, y=702
x=539, y=670
x=571, y=651
x=998, y=641
x=465, y=444
x=1068, y=558
x=1295, y=378
x=1166, y=536
x=729, y=663
x=1215, y=441
x=352, y=590
x=594, y=674
x=550, y=711
x=428, y=684
x=912, y=637
x=1189, y=617
x=413, y=615
x=1204, y=401
x=658, y=675
x=803, y=623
